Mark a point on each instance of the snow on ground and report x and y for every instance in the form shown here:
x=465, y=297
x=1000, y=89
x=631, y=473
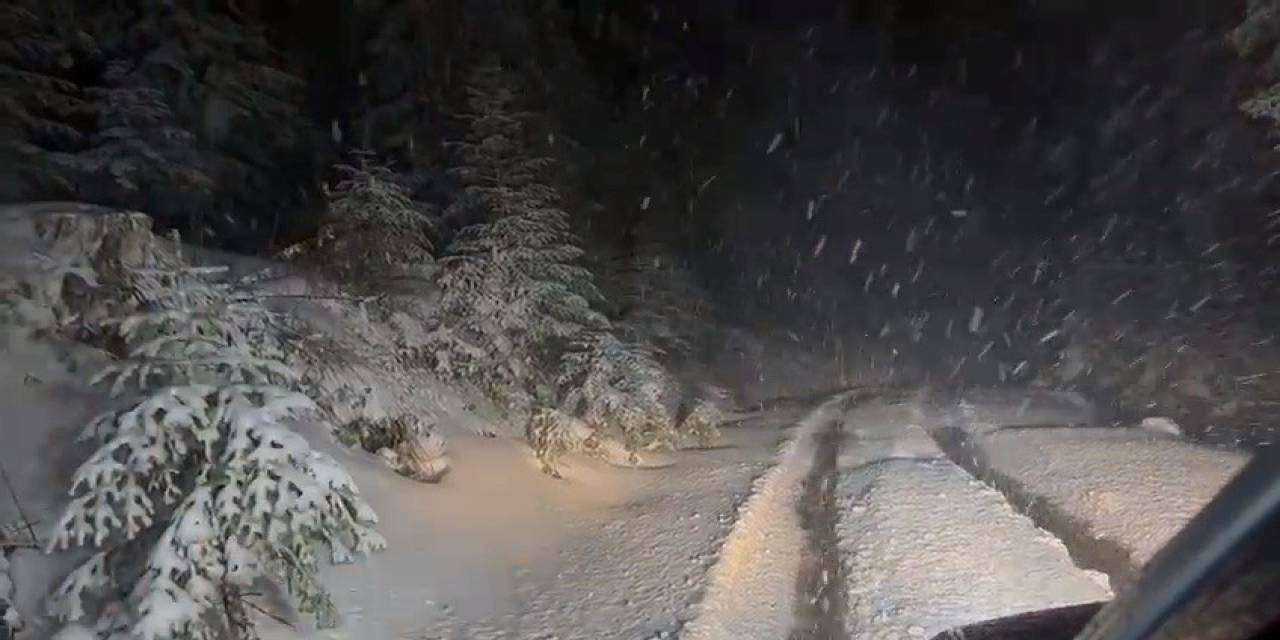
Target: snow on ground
x=926, y=546
x=986, y=409
x=499, y=550
x=43, y=407
x=752, y=587
x=1129, y=488
x=875, y=431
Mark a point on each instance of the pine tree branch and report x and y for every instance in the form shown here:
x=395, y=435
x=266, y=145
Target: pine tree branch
x=244, y=598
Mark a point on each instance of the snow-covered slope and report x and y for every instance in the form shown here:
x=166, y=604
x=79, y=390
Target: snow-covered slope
x=498, y=549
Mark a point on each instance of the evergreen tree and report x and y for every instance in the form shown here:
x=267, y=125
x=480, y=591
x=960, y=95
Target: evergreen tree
x=196, y=489
x=499, y=175
x=513, y=286
x=169, y=107
x=45, y=116
x=227, y=83
x=404, y=68
x=139, y=156
x=511, y=293
x=373, y=227
x=661, y=304
x=1258, y=36
x=619, y=389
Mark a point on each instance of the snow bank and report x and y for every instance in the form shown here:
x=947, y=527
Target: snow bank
x=752, y=590
x=988, y=409
x=1117, y=494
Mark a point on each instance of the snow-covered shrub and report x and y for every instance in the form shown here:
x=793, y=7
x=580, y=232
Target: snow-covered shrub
x=421, y=456
x=373, y=228
x=70, y=280
x=196, y=488
x=553, y=433
x=703, y=423
x=407, y=446
x=619, y=389
x=1258, y=36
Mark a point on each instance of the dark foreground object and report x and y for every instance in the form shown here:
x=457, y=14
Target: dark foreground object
x=1050, y=624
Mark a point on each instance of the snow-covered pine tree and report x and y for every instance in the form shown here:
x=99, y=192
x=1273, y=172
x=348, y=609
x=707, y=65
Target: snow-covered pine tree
x=660, y=303
x=404, y=69
x=499, y=174
x=619, y=389
x=139, y=157
x=1258, y=37
x=374, y=228
x=44, y=115
x=229, y=86
x=511, y=292
x=513, y=287
x=196, y=489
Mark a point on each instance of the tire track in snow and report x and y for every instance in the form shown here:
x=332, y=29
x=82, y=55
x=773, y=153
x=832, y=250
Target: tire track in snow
x=926, y=546
x=753, y=586
x=820, y=593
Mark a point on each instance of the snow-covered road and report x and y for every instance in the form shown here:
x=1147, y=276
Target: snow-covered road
x=929, y=537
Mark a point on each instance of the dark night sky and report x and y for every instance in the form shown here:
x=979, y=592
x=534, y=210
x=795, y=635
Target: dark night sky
x=1039, y=120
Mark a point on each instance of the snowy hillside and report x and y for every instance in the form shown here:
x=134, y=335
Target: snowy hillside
x=453, y=550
